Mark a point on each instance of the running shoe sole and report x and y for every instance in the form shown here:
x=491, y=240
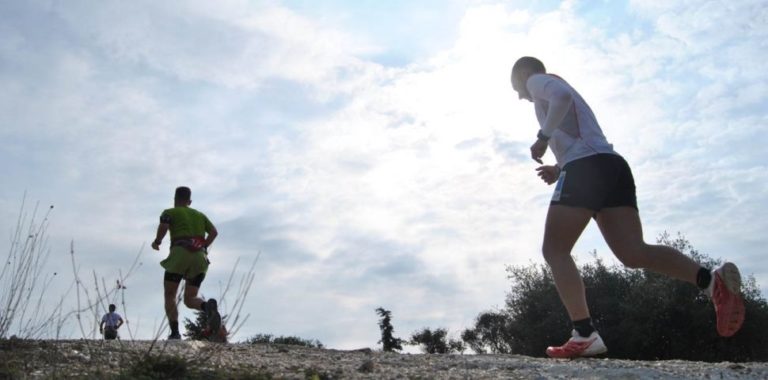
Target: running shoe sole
x=578, y=347
x=729, y=305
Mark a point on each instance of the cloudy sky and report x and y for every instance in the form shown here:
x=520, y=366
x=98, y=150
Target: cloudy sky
x=373, y=152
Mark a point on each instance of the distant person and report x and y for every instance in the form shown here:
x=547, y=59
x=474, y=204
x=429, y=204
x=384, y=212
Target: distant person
x=110, y=322
x=593, y=181
x=191, y=235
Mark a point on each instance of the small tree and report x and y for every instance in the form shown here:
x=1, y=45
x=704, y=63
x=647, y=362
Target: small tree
x=198, y=330
x=388, y=340
x=491, y=333
x=436, y=342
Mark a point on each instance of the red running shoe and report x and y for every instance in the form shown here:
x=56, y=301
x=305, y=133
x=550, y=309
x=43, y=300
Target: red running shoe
x=579, y=346
x=725, y=292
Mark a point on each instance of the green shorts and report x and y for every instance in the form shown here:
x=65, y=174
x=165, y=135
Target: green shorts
x=182, y=261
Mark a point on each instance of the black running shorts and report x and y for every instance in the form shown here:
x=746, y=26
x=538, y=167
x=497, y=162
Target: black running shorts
x=596, y=182
x=176, y=277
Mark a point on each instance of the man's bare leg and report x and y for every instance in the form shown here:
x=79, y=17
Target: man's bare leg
x=563, y=227
x=623, y=231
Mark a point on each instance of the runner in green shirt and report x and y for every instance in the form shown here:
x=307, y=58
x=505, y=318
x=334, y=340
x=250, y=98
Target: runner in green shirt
x=191, y=235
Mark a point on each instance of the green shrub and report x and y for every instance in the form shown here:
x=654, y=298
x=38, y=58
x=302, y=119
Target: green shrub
x=286, y=340
x=436, y=342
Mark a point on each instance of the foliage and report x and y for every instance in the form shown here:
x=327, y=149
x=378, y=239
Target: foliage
x=169, y=367
x=388, y=340
x=158, y=367
x=286, y=340
x=640, y=315
x=491, y=333
x=198, y=329
x=436, y=342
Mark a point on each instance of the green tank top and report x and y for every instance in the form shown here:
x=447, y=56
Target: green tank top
x=185, y=222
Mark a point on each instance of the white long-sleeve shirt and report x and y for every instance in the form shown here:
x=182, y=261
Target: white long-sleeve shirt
x=567, y=119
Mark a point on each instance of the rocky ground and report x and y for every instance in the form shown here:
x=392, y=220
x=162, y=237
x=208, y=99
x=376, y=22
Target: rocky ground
x=203, y=360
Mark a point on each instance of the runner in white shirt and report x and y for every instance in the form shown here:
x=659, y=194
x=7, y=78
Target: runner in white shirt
x=593, y=181
x=110, y=322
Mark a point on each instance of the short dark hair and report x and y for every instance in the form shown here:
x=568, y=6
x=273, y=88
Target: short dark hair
x=112, y=307
x=531, y=63
x=183, y=193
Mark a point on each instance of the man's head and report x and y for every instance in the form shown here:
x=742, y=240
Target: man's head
x=521, y=71
x=183, y=196
x=112, y=308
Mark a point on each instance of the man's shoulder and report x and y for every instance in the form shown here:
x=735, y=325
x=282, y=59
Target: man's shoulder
x=184, y=212
x=181, y=210
x=195, y=211
x=541, y=79
x=169, y=210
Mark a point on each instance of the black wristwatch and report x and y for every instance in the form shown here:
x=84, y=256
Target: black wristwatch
x=542, y=136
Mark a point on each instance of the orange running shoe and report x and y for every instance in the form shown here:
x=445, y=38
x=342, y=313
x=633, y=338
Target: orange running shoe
x=579, y=346
x=725, y=292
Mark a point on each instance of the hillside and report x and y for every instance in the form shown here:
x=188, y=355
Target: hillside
x=203, y=360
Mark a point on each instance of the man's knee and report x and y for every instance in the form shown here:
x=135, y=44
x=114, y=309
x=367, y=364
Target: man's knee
x=552, y=253
x=171, y=283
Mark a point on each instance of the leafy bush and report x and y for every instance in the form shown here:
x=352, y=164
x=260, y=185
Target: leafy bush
x=491, y=333
x=436, y=342
x=198, y=330
x=286, y=340
x=640, y=315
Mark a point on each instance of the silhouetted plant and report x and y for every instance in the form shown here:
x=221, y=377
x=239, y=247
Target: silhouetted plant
x=198, y=329
x=287, y=340
x=436, y=342
x=388, y=341
x=491, y=333
x=23, y=284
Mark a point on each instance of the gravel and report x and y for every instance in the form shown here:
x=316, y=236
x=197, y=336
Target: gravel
x=105, y=359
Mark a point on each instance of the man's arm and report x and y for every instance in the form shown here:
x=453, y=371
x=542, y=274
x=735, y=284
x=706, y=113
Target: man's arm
x=162, y=229
x=212, y=233
x=556, y=94
x=119, y=322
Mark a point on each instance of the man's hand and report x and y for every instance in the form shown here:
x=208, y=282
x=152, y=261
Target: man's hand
x=538, y=149
x=162, y=229
x=548, y=173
